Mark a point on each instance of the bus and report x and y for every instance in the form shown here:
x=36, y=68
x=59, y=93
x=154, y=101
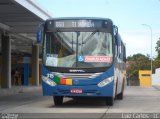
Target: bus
x=82, y=57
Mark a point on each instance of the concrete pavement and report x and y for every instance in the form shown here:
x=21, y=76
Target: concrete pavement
x=157, y=87
x=138, y=101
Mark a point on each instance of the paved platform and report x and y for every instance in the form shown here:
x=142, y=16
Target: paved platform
x=19, y=89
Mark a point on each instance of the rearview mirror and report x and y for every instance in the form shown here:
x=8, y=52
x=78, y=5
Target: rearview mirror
x=115, y=30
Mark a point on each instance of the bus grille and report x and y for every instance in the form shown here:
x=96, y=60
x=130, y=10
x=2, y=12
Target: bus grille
x=78, y=75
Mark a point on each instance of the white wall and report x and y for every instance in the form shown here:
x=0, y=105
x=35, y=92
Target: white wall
x=156, y=77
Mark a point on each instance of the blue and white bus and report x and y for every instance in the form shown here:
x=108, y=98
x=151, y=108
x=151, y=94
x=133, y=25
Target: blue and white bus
x=82, y=57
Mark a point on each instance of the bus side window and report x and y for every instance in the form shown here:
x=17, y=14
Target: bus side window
x=121, y=55
x=124, y=53
x=119, y=48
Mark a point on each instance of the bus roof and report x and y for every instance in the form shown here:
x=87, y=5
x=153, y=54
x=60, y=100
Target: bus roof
x=81, y=18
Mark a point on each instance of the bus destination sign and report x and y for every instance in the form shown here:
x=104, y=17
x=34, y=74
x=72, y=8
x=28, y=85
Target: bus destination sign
x=79, y=23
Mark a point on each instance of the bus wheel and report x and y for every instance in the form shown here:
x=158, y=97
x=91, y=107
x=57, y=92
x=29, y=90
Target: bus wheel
x=120, y=95
x=58, y=100
x=109, y=101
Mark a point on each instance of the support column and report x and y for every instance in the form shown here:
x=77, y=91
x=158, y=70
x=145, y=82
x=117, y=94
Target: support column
x=35, y=64
x=6, y=61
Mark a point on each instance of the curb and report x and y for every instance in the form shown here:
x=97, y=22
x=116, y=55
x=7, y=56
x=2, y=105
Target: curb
x=157, y=87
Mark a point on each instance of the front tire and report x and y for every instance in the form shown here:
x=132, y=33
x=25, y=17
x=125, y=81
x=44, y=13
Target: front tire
x=109, y=101
x=120, y=95
x=58, y=100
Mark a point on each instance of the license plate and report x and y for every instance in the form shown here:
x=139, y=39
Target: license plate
x=77, y=91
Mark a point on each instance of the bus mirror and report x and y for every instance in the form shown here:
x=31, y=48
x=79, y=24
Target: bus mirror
x=40, y=33
x=115, y=30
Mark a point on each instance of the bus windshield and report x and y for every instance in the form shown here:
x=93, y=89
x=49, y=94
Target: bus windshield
x=78, y=49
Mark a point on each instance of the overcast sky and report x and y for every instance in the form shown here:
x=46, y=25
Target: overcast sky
x=128, y=15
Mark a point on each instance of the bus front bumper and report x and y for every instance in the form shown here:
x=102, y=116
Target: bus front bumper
x=73, y=91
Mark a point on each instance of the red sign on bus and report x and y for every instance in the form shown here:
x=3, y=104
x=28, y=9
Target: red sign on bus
x=97, y=59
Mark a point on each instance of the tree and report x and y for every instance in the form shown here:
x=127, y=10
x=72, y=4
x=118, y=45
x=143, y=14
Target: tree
x=135, y=63
x=158, y=47
x=156, y=63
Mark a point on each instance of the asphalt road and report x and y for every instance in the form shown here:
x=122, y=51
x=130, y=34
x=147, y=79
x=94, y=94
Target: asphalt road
x=137, y=101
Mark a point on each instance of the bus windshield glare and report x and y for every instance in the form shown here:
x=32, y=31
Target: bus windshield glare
x=78, y=49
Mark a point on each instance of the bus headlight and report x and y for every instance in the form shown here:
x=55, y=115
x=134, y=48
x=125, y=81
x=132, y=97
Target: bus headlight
x=48, y=81
x=105, y=81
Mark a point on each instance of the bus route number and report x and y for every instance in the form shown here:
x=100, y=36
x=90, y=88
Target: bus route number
x=59, y=24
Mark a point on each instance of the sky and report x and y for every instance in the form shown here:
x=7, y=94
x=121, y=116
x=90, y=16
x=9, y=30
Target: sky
x=128, y=15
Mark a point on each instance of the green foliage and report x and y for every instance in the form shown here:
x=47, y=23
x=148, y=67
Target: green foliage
x=157, y=48
x=156, y=63
x=137, y=62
